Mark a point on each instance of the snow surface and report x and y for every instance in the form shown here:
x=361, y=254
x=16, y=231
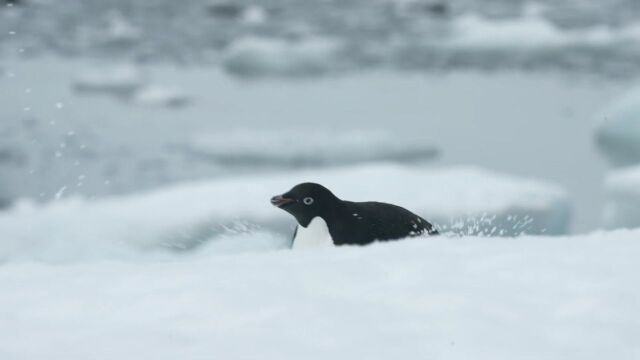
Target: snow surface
x=463, y=200
x=310, y=147
x=439, y=298
x=622, y=209
x=618, y=130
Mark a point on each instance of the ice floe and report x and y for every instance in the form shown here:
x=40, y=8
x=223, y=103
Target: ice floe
x=461, y=200
x=159, y=95
x=261, y=56
x=622, y=188
x=618, y=131
x=305, y=148
x=121, y=80
x=534, y=31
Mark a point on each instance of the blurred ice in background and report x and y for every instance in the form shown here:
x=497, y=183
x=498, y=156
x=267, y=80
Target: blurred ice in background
x=104, y=101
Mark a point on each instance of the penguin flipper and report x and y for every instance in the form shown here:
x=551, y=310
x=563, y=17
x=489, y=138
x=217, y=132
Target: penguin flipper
x=293, y=238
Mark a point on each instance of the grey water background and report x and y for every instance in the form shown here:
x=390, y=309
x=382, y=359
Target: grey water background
x=526, y=110
x=404, y=34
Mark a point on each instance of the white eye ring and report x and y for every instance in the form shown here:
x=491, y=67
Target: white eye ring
x=307, y=200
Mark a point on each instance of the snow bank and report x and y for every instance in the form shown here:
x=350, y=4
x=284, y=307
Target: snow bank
x=618, y=131
x=182, y=217
x=300, y=148
x=256, y=56
x=622, y=209
x=444, y=298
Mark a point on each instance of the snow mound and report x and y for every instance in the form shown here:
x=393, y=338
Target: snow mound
x=299, y=148
x=182, y=217
x=259, y=57
x=622, y=188
x=443, y=298
x=122, y=81
x=618, y=131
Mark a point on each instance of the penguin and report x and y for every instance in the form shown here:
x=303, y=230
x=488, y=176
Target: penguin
x=324, y=219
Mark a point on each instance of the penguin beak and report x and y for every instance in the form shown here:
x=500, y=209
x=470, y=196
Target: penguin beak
x=280, y=201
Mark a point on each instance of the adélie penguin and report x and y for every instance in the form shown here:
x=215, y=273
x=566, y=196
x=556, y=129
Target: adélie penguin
x=324, y=219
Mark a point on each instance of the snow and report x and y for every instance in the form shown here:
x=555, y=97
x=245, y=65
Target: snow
x=261, y=56
x=309, y=147
x=623, y=198
x=618, y=130
x=442, y=298
x=184, y=216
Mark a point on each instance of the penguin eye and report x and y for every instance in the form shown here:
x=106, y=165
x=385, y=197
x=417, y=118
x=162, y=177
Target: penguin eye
x=307, y=200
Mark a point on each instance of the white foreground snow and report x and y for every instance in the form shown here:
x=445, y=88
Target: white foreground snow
x=464, y=199
x=618, y=130
x=622, y=209
x=441, y=298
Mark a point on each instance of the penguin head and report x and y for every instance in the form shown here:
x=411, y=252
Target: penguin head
x=306, y=201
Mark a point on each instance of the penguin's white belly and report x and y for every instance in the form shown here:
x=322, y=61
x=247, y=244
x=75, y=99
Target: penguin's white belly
x=315, y=234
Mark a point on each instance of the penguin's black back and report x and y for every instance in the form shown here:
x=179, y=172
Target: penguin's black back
x=361, y=223
x=348, y=223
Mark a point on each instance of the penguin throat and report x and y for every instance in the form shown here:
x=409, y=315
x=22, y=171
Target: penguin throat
x=315, y=234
